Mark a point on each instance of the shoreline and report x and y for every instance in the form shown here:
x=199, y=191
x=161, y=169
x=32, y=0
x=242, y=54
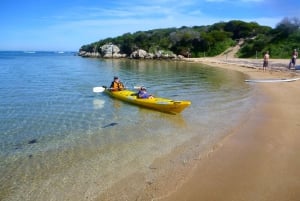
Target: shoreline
x=259, y=160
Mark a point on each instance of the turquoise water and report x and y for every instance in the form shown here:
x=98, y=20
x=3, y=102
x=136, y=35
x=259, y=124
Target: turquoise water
x=61, y=141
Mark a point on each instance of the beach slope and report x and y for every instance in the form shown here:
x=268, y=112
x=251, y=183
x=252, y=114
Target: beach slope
x=260, y=160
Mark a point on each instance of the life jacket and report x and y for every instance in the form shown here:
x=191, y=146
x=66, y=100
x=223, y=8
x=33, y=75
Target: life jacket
x=143, y=94
x=116, y=86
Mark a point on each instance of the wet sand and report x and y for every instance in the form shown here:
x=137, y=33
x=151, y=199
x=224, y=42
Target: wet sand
x=260, y=159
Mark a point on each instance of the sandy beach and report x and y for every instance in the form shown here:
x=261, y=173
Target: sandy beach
x=260, y=159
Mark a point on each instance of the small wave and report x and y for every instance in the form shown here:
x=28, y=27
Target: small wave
x=29, y=52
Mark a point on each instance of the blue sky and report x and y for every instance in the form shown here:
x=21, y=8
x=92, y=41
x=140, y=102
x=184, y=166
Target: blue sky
x=66, y=25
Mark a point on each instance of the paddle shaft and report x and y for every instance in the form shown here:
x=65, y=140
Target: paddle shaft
x=102, y=89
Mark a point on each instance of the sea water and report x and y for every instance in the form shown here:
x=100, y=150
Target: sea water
x=61, y=141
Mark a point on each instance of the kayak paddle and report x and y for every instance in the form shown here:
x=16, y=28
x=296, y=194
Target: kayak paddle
x=102, y=89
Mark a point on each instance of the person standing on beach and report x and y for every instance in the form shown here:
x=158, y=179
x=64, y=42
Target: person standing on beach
x=293, y=59
x=266, y=61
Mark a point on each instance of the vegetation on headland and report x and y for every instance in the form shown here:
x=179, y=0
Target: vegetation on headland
x=211, y=40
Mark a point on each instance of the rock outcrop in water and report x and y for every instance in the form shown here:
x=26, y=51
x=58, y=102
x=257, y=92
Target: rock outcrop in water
x=113, y=51
x=105, y=51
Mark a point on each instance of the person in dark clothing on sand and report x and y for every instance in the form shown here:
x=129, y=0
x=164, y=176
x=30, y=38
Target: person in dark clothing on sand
x=293, y=59
x=266, y=61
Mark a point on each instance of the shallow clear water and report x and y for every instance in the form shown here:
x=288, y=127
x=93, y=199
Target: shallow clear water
x=61, y=141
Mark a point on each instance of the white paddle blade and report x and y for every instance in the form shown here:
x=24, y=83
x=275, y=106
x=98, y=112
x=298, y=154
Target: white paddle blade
x=98, y=89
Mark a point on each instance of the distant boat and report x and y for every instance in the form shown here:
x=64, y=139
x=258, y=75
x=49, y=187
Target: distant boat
x=61, y=52
x=29, y=52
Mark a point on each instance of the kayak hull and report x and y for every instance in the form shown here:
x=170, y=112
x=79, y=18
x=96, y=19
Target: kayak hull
x=156, y=103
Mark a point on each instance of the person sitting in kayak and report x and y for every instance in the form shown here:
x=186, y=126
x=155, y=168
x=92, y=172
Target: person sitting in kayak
x=116, y=85
x=143, y=93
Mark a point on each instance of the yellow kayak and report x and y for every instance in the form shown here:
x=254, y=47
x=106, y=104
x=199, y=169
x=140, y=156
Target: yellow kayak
x=156, y=103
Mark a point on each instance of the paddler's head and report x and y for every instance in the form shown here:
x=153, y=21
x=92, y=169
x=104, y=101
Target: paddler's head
x=116, y=79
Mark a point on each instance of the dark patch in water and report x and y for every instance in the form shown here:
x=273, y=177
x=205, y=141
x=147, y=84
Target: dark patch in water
x=174, y=95
x=32, y=141
x=109, y=125
x=18, y=146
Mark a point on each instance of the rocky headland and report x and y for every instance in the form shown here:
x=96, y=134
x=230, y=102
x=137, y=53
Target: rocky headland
x=113, y=51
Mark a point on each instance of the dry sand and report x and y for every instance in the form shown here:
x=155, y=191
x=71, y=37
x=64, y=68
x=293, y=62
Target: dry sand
x=259, y=161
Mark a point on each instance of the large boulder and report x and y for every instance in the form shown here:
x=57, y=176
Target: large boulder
x=109, y=50
x=114, y=55
x=139, y=54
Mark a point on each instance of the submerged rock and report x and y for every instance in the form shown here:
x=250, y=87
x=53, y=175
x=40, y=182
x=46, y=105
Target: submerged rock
x=109, y=125
x=32, y=141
